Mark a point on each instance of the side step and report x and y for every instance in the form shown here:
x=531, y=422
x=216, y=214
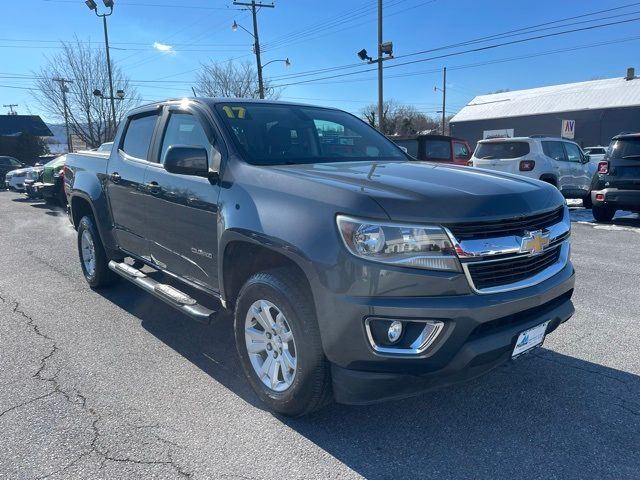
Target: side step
x=168, y=294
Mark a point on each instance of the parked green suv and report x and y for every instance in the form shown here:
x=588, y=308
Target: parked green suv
x=50, y=184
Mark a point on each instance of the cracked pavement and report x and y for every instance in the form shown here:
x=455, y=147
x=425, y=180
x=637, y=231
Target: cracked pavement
x=114, y=384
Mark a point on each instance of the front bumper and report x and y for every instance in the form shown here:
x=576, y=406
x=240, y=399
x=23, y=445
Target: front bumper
x=617, y=198
x=479, y=331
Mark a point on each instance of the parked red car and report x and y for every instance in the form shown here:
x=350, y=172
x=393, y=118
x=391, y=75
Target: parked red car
x=436, y=148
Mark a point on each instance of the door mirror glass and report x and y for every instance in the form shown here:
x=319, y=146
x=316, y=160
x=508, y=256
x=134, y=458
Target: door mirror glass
x=185, y=160
x=587, y=158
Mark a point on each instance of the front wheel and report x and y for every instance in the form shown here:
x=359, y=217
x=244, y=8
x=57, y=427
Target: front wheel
x=93, y=259
x=278, y=341
x=603, y=214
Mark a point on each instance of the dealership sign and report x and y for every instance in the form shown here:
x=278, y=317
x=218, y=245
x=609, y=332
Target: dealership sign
x=503, y=133
x=568, y=129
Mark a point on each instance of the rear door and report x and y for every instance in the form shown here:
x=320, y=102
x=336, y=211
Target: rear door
x=554, y=150
x=182, y=215
x=125, y=182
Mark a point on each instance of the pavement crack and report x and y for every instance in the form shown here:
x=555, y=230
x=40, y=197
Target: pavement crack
x=16, y=407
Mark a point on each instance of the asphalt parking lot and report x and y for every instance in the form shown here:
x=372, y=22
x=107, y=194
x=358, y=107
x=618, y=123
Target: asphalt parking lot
x=117, y=385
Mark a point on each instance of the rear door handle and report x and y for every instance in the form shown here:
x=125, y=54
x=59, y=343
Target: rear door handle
x=153, y=187
x=115, y=177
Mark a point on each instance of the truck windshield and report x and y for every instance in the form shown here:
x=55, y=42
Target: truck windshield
x=277, y=134
x=627, y=148
x=501, y=150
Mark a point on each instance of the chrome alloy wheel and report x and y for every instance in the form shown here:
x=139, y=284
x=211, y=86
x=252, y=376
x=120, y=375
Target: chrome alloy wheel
x=88, y=251
x=270, y=344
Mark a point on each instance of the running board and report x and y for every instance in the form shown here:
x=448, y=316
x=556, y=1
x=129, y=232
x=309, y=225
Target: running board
x=168, y=294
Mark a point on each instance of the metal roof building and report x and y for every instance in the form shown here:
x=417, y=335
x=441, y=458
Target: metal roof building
x=13, y=125
x=599, y=108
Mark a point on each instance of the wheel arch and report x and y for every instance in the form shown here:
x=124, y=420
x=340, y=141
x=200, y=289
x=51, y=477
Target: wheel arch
x=549, y=178
x=243, y=256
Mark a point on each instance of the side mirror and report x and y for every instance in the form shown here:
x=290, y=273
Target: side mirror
x=185, y=160
x=587, y=158
x=404, y=149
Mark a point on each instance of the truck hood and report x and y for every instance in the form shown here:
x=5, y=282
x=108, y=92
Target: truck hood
x=422, y=191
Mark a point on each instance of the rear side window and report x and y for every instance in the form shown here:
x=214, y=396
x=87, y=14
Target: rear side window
x=554, y=150
x=461, y=151
x=137, y=138
x=502, y=150
x=437, y=149
x=627, y=148
x=410, y=145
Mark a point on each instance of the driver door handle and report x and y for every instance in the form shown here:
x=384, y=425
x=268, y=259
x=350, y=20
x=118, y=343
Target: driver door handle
x=115, y=177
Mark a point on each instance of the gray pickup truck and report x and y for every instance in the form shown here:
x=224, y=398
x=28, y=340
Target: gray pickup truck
x=355, y=273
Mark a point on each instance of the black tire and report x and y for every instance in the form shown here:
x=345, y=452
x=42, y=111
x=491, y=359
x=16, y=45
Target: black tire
x=102, y=276
x=603, y=214
x=586, y=201
x=49, y=200
x=311, y=386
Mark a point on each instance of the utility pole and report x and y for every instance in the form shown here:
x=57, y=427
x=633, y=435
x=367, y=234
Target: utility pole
x=444, y=96
x=65, y=89
x=380, y=94
x=113, y=104
x=10, y=107
x=256, y=45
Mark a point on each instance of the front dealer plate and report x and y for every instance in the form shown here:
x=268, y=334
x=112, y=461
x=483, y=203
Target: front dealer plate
x=530, y=339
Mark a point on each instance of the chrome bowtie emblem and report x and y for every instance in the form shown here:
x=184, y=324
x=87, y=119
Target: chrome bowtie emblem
x=534, y=242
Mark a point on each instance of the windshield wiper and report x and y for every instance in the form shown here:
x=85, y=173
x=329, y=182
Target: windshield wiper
x=488, y=157
x=631, y=156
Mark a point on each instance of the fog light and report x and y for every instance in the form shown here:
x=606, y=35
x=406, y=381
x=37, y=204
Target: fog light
x=395, y=331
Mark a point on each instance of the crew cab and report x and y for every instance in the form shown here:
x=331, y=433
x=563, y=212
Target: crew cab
x=354, y=272
x=557, y=161
x=617, y=182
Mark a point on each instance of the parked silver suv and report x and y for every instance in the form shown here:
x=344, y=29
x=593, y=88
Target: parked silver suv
x=554, y=160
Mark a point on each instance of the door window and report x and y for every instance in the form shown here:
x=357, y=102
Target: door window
x=137, y=139
x=573, y=153
x=461, y=151
x=4, y=161
x=183, y=129
x=554, y=150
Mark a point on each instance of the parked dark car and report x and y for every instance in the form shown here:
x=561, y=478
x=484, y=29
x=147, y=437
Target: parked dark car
x=6, y=165
x=435, y=148
x=355, y=272
x=616, y=185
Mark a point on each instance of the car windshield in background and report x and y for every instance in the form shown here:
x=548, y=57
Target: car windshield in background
x=628, y=148
x=273, y=134
x=501, y=150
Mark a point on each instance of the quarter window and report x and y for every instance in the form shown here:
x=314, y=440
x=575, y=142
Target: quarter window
x=137, y=139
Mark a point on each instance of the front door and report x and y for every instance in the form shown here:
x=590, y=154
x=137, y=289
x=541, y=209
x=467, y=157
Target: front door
x=577, y=186
x=125, y=183
x=183, y=209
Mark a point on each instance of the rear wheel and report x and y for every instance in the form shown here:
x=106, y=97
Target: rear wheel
x=603, y=214
x=93, y=259
x=278, y=341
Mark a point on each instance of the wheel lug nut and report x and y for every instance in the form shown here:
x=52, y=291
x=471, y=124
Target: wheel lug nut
x=269, y=347
x=268, y=335
x=275, y=354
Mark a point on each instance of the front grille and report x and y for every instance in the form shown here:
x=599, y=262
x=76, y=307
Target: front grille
x=511, y=270
x=504, y=227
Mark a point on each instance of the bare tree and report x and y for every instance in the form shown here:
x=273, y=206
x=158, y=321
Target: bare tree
x=399, y=119
x=89, y=116
x=232, y=80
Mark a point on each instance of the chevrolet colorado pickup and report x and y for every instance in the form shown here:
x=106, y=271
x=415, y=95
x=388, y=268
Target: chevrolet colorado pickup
x=355, y=273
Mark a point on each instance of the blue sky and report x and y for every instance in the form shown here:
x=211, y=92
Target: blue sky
x=318, y=35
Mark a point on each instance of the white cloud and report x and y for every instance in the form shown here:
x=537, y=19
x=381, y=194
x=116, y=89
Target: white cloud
x=161, y=47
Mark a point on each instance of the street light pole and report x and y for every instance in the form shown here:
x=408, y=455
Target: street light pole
x=94, y=6
x=256, y=44
x=444, y=97
x=380, y=93
x=106, y=42
x=64, y=89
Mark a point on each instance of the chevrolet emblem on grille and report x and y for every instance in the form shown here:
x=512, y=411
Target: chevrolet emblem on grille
x=534, y=242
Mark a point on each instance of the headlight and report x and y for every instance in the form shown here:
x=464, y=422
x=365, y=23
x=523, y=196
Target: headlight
x=417, y=246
